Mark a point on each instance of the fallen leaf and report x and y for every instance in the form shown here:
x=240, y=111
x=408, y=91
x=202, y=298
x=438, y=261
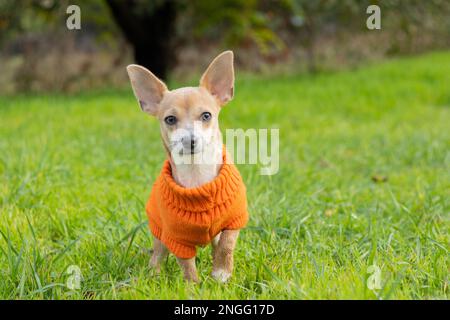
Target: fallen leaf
x=330, y=212
x=379, y=178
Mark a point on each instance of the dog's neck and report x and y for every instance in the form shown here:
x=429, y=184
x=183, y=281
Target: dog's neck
x=194, y=174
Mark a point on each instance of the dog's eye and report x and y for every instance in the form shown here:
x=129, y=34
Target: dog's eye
x=170, y=120
x=206, y=116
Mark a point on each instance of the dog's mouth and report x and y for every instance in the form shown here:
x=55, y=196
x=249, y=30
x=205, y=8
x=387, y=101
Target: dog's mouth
x=184, y=152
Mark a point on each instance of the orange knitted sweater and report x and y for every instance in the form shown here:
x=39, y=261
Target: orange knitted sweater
x=183, y=218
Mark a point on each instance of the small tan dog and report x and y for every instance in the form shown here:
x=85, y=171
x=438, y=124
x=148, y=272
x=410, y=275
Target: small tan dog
x=190, y=128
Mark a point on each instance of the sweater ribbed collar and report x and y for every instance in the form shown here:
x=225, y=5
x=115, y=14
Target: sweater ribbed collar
x=212, y=194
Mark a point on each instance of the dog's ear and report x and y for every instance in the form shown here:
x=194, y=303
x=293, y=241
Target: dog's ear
x=148, y=89
x=218, y=79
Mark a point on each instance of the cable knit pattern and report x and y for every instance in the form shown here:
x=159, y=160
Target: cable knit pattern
x=183, y=218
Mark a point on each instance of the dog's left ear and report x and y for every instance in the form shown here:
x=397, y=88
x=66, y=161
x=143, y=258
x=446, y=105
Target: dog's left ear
x=148, y=89
x=218, y=79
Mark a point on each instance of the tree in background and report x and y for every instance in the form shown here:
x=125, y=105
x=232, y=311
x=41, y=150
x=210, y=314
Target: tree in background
x=156, y=28
x=149, y=26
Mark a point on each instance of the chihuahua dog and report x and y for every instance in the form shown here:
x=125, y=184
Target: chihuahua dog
x=192, y=139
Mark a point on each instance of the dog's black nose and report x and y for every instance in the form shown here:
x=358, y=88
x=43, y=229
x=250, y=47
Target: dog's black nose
x=189, y=142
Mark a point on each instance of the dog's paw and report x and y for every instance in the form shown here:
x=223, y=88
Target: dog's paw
x=155, y=268
x=221, y=275
x=192, y=279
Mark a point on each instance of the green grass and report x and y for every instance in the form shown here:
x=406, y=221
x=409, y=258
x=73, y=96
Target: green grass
x=76, y=171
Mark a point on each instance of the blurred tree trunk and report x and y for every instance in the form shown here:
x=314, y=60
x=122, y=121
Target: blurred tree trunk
x=149, y=27
x=310, y=43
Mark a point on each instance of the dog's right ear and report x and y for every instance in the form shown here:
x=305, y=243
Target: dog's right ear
x=148, y=89
x=218, y=79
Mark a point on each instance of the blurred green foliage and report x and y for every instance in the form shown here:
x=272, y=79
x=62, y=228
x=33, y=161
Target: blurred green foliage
x=242, y=21
x=235, y=22
x=27, y=17
x=268, y=31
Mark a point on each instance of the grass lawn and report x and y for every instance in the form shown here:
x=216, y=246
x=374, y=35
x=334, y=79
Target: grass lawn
x=75, y=172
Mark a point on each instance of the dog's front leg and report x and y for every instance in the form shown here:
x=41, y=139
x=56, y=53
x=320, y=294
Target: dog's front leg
x=160, y=252
x=189, y=269
x=223, y=255
x=215, y=244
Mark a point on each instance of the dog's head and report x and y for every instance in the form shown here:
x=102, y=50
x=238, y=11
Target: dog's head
x=188, y=116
